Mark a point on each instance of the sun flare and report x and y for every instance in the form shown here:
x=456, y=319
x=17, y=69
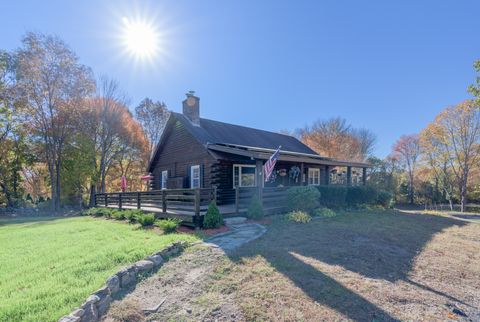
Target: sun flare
x=140, y=38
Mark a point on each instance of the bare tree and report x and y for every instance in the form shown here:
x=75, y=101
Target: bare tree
x=152, y=116
x=55, y=84
x=408, y=149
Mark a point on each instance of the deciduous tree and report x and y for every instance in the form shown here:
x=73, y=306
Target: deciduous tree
x=455, y=133
x=54, y=84
x=336, y=139
x=152, y=116
x=408, y=150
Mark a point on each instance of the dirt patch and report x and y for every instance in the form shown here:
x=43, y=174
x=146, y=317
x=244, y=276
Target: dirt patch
x=359, y=267
x=181, y=291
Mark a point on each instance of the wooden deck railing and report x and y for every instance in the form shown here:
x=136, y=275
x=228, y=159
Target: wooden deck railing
x=175, y=202
x=273, y=198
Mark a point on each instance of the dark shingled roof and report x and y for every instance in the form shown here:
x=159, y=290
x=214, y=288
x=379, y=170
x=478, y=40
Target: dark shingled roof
x=215, y=132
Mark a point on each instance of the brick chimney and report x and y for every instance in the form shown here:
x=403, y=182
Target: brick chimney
x=191, y=108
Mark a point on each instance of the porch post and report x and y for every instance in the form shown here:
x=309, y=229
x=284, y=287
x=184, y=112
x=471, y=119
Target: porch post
x=349, y=176
x=327, y=174
x=259, y=168
x=364, y=176
x=302, y=174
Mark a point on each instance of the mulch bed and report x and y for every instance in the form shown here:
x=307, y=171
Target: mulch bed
x=208, y=232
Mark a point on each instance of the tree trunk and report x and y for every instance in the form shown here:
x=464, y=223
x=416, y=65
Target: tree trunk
x=463, y=196
x=7, y=195
x=58, y=184
x=411, y=190
x=91, y=202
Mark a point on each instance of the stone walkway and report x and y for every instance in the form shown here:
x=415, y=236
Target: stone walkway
x=241, y=234
x=180, y=290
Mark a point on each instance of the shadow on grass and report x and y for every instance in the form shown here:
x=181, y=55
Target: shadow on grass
x=30, y=220
x=377, y=246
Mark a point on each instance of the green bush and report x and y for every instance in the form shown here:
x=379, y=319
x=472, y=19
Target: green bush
x=118, y=215
x=132, y=214
x=324, y=212
x=304, y=198
x=98, y=212
x=255, y=209
x=358, y=195
x=385, y=199
x=299, y=216
x=108, y=213
x=168, y=225
x=213, y=217
x=333, y=196
x=146, y=219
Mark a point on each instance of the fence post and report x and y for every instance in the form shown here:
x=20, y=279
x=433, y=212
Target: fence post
x=106, y=200
x=120, y=201
x=164, y=201
x=197, y=208
x=237, y=199
x=138, y=200
x=95, y=200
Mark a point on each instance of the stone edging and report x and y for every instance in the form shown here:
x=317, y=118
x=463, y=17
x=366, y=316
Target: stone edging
x=98, y=303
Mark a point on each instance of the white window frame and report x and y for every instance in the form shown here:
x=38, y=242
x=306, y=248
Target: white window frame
x=192, y=178
x=313, y=173
x=164, y=179
x=240, y=166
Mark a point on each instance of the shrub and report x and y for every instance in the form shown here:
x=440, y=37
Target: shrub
x=146, y=219
x=255, y=209
x=98, y=212
x=168, y=225
x=213, y=217
x=303, y=198
x=333, y=196
x=385, y=199
x=132, y=214
x=118, y=215
x=107, y=213
x=298, y=216
x=358, y=195
x=324, y=212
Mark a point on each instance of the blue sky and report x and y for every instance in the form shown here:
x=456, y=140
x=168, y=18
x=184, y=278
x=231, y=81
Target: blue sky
x=389, y=66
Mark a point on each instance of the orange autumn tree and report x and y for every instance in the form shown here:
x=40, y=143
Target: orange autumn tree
x=335, y=138
x=117, y=140
x=454, y=136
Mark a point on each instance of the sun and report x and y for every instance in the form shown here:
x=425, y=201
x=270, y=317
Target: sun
x=140, y=38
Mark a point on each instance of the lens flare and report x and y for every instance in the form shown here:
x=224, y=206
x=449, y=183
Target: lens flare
x=140, y=38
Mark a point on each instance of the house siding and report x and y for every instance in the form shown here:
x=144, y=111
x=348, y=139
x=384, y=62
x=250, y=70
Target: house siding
x=180, y=151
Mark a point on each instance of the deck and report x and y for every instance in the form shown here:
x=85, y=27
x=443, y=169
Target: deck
x=190, y=205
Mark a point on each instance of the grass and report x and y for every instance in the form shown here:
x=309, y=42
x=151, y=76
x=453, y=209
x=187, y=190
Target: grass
x=361, y=266
x=48, y=266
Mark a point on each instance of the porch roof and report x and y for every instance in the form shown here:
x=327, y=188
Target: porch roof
x=264, y=154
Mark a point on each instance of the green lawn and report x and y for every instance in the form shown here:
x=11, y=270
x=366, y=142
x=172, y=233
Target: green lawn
x=48, y=266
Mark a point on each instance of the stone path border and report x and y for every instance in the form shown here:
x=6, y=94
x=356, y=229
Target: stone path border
x=98, y=303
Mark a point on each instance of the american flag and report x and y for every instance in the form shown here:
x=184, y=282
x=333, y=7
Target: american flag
x=270, y=164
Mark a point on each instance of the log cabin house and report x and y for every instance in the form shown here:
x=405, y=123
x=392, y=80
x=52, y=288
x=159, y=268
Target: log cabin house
x=194, y=152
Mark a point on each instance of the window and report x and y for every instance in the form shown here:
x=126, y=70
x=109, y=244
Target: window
x=244, y=175
x=314, y=176
x=195, y=176
x=164, y=179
